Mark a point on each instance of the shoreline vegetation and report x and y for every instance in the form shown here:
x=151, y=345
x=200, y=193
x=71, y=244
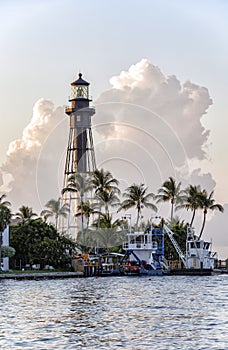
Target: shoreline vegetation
x=37, y=239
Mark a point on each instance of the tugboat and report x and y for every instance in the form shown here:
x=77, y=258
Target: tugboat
x=198, y=259
x=144, y=254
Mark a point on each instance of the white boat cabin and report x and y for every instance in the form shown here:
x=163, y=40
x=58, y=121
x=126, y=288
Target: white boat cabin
x=142, y=244
x=198, y=253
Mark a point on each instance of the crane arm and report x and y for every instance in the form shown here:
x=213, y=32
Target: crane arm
x=175, y=244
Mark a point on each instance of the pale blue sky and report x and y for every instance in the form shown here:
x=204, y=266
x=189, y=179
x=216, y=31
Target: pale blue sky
x=44, y=43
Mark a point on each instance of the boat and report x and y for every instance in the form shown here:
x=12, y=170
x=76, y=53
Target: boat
x=198, y=258
x=108, y=264
x=144, y=254
x=109, y=269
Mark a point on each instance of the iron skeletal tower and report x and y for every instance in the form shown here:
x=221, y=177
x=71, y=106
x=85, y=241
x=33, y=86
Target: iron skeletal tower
x=80, y=157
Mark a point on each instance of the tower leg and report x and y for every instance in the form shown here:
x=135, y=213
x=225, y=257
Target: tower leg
x=80, y=159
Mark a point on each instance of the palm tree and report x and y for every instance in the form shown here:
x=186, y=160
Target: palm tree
x=6, y=203
x=106, y=188
x=78, y=183
x=208, y=203
x=108, y=234
x=191, y=200
x=136, y=196
x=103, y=181
x=55, y=209
x=5, y=216
x=87, y=210
x=107, y=199
x=25, y=214
x=170, y=192
x=81, y=184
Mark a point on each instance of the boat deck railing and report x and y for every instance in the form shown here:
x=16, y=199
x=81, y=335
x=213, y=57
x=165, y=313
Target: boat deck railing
x=139, y=245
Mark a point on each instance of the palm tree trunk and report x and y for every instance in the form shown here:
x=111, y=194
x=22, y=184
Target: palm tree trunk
x=0, y=251
x=56, y=222
x=106, y=209
x=204, y=221
x=82, y=217
x=99, y=217
x=172, y=204
x=87, y=222
x=193, y=217
x=137, y=221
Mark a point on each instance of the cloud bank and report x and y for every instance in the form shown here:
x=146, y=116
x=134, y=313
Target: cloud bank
x=31, y=166
x=154, y=121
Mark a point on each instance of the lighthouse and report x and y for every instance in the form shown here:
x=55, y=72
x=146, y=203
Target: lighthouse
x=80, y=151
x=80, y=156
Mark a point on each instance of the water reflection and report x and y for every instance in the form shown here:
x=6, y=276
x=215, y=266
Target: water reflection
x=115, y=313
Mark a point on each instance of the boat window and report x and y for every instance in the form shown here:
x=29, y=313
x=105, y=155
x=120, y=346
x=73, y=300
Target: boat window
x=139, y=239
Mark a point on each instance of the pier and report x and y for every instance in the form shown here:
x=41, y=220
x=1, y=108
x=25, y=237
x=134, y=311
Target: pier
x=40, y=275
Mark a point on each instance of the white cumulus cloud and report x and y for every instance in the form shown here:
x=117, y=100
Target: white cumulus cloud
x=30, y=167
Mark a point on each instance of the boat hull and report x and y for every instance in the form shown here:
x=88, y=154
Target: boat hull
x=191, y=272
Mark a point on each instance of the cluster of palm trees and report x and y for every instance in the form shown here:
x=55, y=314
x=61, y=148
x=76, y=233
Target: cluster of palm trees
x=99, y=194
x=96, y=194
x=26, y=214
x=192, y=198
x=106, y=195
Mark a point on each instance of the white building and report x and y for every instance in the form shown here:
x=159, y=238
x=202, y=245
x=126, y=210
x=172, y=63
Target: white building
x=5, y=242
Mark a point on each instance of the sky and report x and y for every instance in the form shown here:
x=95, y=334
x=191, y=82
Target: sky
x=158, y=72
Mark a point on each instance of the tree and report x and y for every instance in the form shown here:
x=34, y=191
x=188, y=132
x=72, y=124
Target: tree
x=7, y=252
x=170, y=192
x=106, y=189
x=55, y=209
x=136, y=196
x=5, y=216
x=107, y=199
x=81, y=184
x=6, y=203
x=37, y=242
x=208, y=203
x=87, y=210
x=25, y=214
x=103, y=181
x=191, y=200
x=179, y=228
x=106, y=221
x=78, y=183
x=108, y=234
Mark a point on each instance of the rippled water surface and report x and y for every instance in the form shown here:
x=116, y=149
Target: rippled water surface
x=175, y=312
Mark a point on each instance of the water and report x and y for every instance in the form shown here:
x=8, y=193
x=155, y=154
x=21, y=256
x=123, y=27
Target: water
x=172, y=312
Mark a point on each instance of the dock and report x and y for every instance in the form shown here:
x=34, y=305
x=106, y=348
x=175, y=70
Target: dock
x=40, y=275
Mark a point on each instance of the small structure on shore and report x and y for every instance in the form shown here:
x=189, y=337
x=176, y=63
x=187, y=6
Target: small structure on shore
x=5, y=242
